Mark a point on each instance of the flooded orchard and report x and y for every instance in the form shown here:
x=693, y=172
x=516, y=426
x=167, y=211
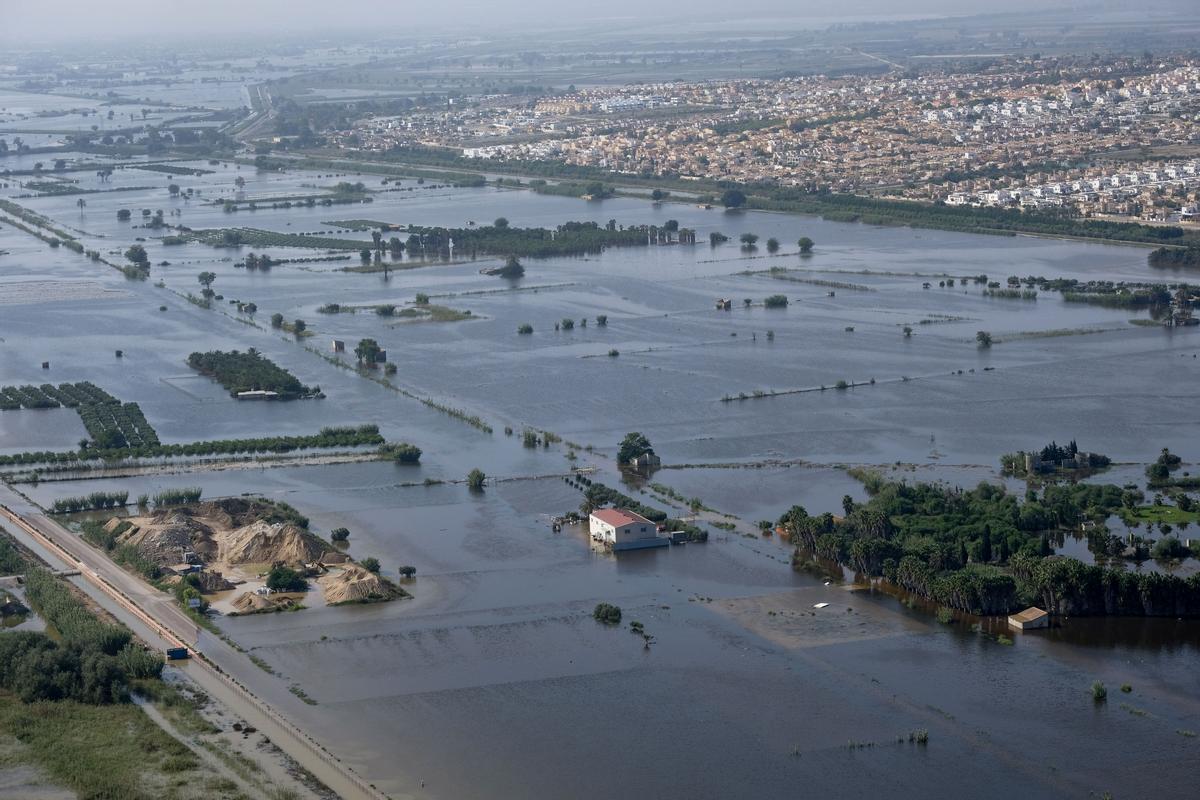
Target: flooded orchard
x=494, y=680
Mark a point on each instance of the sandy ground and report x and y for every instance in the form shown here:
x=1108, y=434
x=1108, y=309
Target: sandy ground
x=791, y=620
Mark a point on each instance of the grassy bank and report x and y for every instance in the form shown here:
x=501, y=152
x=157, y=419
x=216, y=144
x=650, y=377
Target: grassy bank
x=101, y=752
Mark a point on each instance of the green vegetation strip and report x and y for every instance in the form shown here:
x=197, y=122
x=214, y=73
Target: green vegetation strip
x=96, y=752
x=329, y=437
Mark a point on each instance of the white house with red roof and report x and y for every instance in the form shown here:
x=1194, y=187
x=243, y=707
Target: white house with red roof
x=624, y=530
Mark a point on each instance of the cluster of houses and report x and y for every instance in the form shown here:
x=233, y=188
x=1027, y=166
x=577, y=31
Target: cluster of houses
x=1106, y=193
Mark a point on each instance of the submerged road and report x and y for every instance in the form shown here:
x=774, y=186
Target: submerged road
x=155, y=617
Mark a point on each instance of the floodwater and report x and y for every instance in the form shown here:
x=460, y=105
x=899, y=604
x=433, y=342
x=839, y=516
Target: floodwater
x=493, y=680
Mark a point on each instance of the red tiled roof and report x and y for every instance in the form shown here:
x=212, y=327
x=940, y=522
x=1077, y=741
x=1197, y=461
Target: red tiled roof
x=618, y=517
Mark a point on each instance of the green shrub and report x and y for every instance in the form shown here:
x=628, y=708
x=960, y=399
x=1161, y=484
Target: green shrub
x=607, y=613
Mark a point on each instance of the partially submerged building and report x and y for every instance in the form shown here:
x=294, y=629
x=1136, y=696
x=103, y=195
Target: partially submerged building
x=1029, y=619
x=624, y=530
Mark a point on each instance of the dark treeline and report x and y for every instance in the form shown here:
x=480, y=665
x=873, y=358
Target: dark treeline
x=984, y=552
x=249, y=371
x=852, y=208
x=568, y=239
x=328, y=437
x=836, y=207
x=1174, y=257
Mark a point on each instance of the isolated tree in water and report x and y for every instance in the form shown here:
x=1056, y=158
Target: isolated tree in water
x=476, y=479
x=367, y=351
x=632, y=446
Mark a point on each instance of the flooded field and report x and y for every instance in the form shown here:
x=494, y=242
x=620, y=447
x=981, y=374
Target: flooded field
x=493, y=680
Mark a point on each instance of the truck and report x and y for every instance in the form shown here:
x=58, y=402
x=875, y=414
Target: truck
x=177, y=653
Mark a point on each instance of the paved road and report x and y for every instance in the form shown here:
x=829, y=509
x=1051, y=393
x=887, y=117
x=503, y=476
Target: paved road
x=220, y=670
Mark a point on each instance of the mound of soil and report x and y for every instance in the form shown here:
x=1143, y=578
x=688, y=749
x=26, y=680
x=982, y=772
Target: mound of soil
x=233, y=531
x=251, y=603
x=213, y=582
x=354, y=584
x=268, y=543
x=164, y=537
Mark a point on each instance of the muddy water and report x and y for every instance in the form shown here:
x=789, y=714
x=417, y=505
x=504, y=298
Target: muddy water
x=494, y=681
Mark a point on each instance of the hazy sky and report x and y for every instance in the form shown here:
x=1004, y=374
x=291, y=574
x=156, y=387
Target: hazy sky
x=32, y=20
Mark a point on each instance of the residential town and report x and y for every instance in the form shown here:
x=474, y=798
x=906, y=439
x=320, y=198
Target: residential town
x=1025, y=133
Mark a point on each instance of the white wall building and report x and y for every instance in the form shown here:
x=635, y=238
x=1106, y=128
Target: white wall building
x=624, y=530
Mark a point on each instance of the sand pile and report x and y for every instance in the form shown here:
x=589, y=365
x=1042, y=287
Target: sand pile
x=268, y=543
x=164, y=538
x=213, y=582
x=355, y=584
x=229, y=532
x=251, y=603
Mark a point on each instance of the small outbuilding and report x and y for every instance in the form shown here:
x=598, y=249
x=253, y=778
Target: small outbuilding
x=1029, y=619
x=646, y=460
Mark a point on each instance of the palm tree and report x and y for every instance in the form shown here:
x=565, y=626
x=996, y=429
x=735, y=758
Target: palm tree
x=81, y=203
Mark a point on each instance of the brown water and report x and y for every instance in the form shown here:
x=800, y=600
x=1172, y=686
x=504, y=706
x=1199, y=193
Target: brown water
x=494, y=680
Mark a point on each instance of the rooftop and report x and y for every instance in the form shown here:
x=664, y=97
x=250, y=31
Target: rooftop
x=1031, y=614
x=618, y=517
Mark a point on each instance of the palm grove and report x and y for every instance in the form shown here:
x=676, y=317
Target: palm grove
x=985, y=551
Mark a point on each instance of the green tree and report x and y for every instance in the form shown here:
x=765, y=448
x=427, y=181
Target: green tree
x=299, y=326
x=607, y=613
x=806, y=244
x=749, y=240
x=137, y=254
x=367, y=351
x=285, y=579
x=983, y=339
x=475, y=480
x=370, y=564
x=501, y=222
x=206, y=279
x=339, y=534
x=633, y=445
x=277, y=320
x=733, y=198
x=772, y=245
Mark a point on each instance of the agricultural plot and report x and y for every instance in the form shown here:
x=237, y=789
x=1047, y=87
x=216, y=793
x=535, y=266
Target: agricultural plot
x=171, y=169
x=254, y=237
x=250, y=372
x=114, y=426
x=110, y=423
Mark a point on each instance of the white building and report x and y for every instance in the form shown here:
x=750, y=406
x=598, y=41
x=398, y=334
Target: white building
x=624, y=530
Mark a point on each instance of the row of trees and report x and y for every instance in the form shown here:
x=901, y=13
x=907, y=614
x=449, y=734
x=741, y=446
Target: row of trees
x=95, y=500
x=570, y=238
x=362, y=435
